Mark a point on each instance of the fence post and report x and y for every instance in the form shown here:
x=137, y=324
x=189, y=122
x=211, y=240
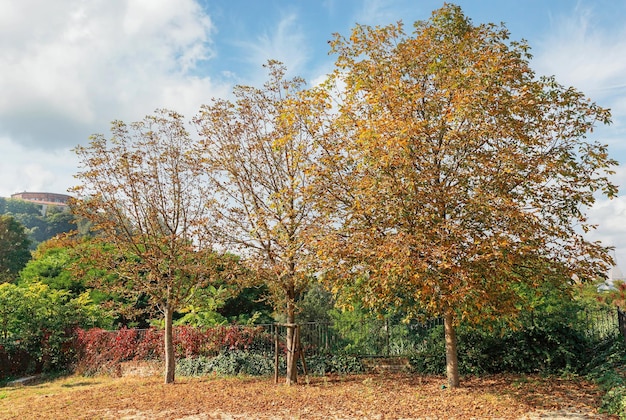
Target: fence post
x=620, y=321
x=300, y=351
x=387, y=344
x=276, y=348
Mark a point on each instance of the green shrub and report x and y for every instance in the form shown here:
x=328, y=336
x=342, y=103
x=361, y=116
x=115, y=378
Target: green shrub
x=545, y=346
x=614, y=401
x=548, y=346
x=605, y=369
x=321, y=365
x=232, y=363
x=430, y=356
x=38, y=328
x=194, y=366
x=228, y=363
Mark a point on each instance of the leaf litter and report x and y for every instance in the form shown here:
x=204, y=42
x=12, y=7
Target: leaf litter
x=372, y=396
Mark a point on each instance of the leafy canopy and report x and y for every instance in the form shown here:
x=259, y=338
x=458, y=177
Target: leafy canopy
x=145, y=192
x=14, y=248
x=258, y=154
x=452, y=173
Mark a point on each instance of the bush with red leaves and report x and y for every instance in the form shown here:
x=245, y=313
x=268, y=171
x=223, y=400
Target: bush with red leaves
x=101, y=351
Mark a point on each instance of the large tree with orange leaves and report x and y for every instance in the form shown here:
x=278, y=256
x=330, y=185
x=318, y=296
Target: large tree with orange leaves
x=451, y=173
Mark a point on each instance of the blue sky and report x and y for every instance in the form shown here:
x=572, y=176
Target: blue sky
x=69, y=67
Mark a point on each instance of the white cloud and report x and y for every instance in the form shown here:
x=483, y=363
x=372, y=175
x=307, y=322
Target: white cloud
x=590, y=54
x=610, y=218
x=373, y=12
x=610, y=215
x=69, y=67
x=583, y=52
x=25, y=169
x=285, y=42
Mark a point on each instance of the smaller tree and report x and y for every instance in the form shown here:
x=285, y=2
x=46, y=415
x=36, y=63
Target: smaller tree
x=14, y=243
x=10, y=299
x=50, y=265
x=146, y=194
x=16, y=206
x=43, y=321
x=58, y=222
x=258, y=151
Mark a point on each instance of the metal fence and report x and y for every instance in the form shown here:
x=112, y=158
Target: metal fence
x=355, y=336
x=382, y=337
x=621, y=321
x=599, y=324
x=369, y=337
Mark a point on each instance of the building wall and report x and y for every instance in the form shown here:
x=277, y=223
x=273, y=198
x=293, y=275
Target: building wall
x=44, y=199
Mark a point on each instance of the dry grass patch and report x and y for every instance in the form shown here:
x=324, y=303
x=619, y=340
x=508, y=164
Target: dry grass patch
x=397, y=396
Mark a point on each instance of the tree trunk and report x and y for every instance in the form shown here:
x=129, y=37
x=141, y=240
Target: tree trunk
x=170, y=357
x=292, y=359
x=452, y=360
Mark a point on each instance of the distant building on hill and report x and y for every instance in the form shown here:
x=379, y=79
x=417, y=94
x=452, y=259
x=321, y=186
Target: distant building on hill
x=613, y=276
x=45, y=200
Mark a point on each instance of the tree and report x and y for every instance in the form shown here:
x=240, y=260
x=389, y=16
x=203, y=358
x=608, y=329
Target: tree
x=38, y=228
x=452, y=174
x=43, y=321
x=146, y=194
x=257, y=152
x=17, y=206
x=58, y=222
x=14, y=243
x=50, y=265
x=10, y=301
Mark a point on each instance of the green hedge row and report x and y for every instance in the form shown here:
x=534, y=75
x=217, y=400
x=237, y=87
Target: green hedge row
x=546, y=348
x=238, y=362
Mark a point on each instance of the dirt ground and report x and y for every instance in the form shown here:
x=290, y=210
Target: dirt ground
x=374, y=396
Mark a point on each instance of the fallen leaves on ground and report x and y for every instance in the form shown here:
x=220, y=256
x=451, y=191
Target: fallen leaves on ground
x=385, y=396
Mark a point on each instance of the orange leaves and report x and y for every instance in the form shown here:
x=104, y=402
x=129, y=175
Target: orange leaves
x=433, y=168
x=451, y=165
x=362, y=396
x=259, y=158
x=145, y=194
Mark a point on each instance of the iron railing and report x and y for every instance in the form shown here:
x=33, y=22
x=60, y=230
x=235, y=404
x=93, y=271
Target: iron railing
x=621, y=321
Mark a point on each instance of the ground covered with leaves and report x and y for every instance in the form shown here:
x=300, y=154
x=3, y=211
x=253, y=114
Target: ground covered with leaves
x=388, y=396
